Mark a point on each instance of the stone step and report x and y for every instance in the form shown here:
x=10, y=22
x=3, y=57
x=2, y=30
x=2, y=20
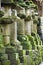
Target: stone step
x=4, y=57
x=10, y=50
x=6, y=62
x=13, y=56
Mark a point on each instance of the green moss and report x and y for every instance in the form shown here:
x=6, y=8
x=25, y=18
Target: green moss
x=33, y=16
x=23, y=4
x=28, y=18
x=26, y=45
x=32, y=41
x=35, y=21
x=6, y=20
x=1, y=13
x=22, y=16
x=22, y=38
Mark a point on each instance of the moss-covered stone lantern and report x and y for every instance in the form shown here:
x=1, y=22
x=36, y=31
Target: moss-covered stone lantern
x=21, y=14
x=28, y=25
x=7, y=19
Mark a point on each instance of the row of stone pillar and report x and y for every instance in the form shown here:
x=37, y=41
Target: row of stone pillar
x=21, y=27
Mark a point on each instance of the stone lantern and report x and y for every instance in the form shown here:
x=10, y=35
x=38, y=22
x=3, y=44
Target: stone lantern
x=28, y=22
x=28, y=25
x=6, y=20
x=21, y=14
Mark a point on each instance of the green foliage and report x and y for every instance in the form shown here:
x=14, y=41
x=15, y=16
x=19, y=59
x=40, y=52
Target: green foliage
x=23, y=4
x=1, y=13
x=37, y=38
x=26, y=45
x=24, y=60
x=32, y=41
x=22, y=38
x=25, y=42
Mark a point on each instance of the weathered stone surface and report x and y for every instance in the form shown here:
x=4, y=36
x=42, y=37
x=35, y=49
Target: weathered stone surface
x=21, y=27
x=35, y=28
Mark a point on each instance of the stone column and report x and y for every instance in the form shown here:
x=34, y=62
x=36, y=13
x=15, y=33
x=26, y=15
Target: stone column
x=28, y=23
x=14, y=32
x=41, y=25
x=42, y=8
x=21, y=29
x=34, y=28
x=28, y=27
x=7, y=34
x=13, y=28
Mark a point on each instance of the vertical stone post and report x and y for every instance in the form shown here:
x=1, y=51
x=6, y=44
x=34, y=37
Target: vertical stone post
x=42, y=8
x=21, y=26
x=28, y=23
x=6, y=33
x=34, y=28
x=13, y=28
x=28, y=27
